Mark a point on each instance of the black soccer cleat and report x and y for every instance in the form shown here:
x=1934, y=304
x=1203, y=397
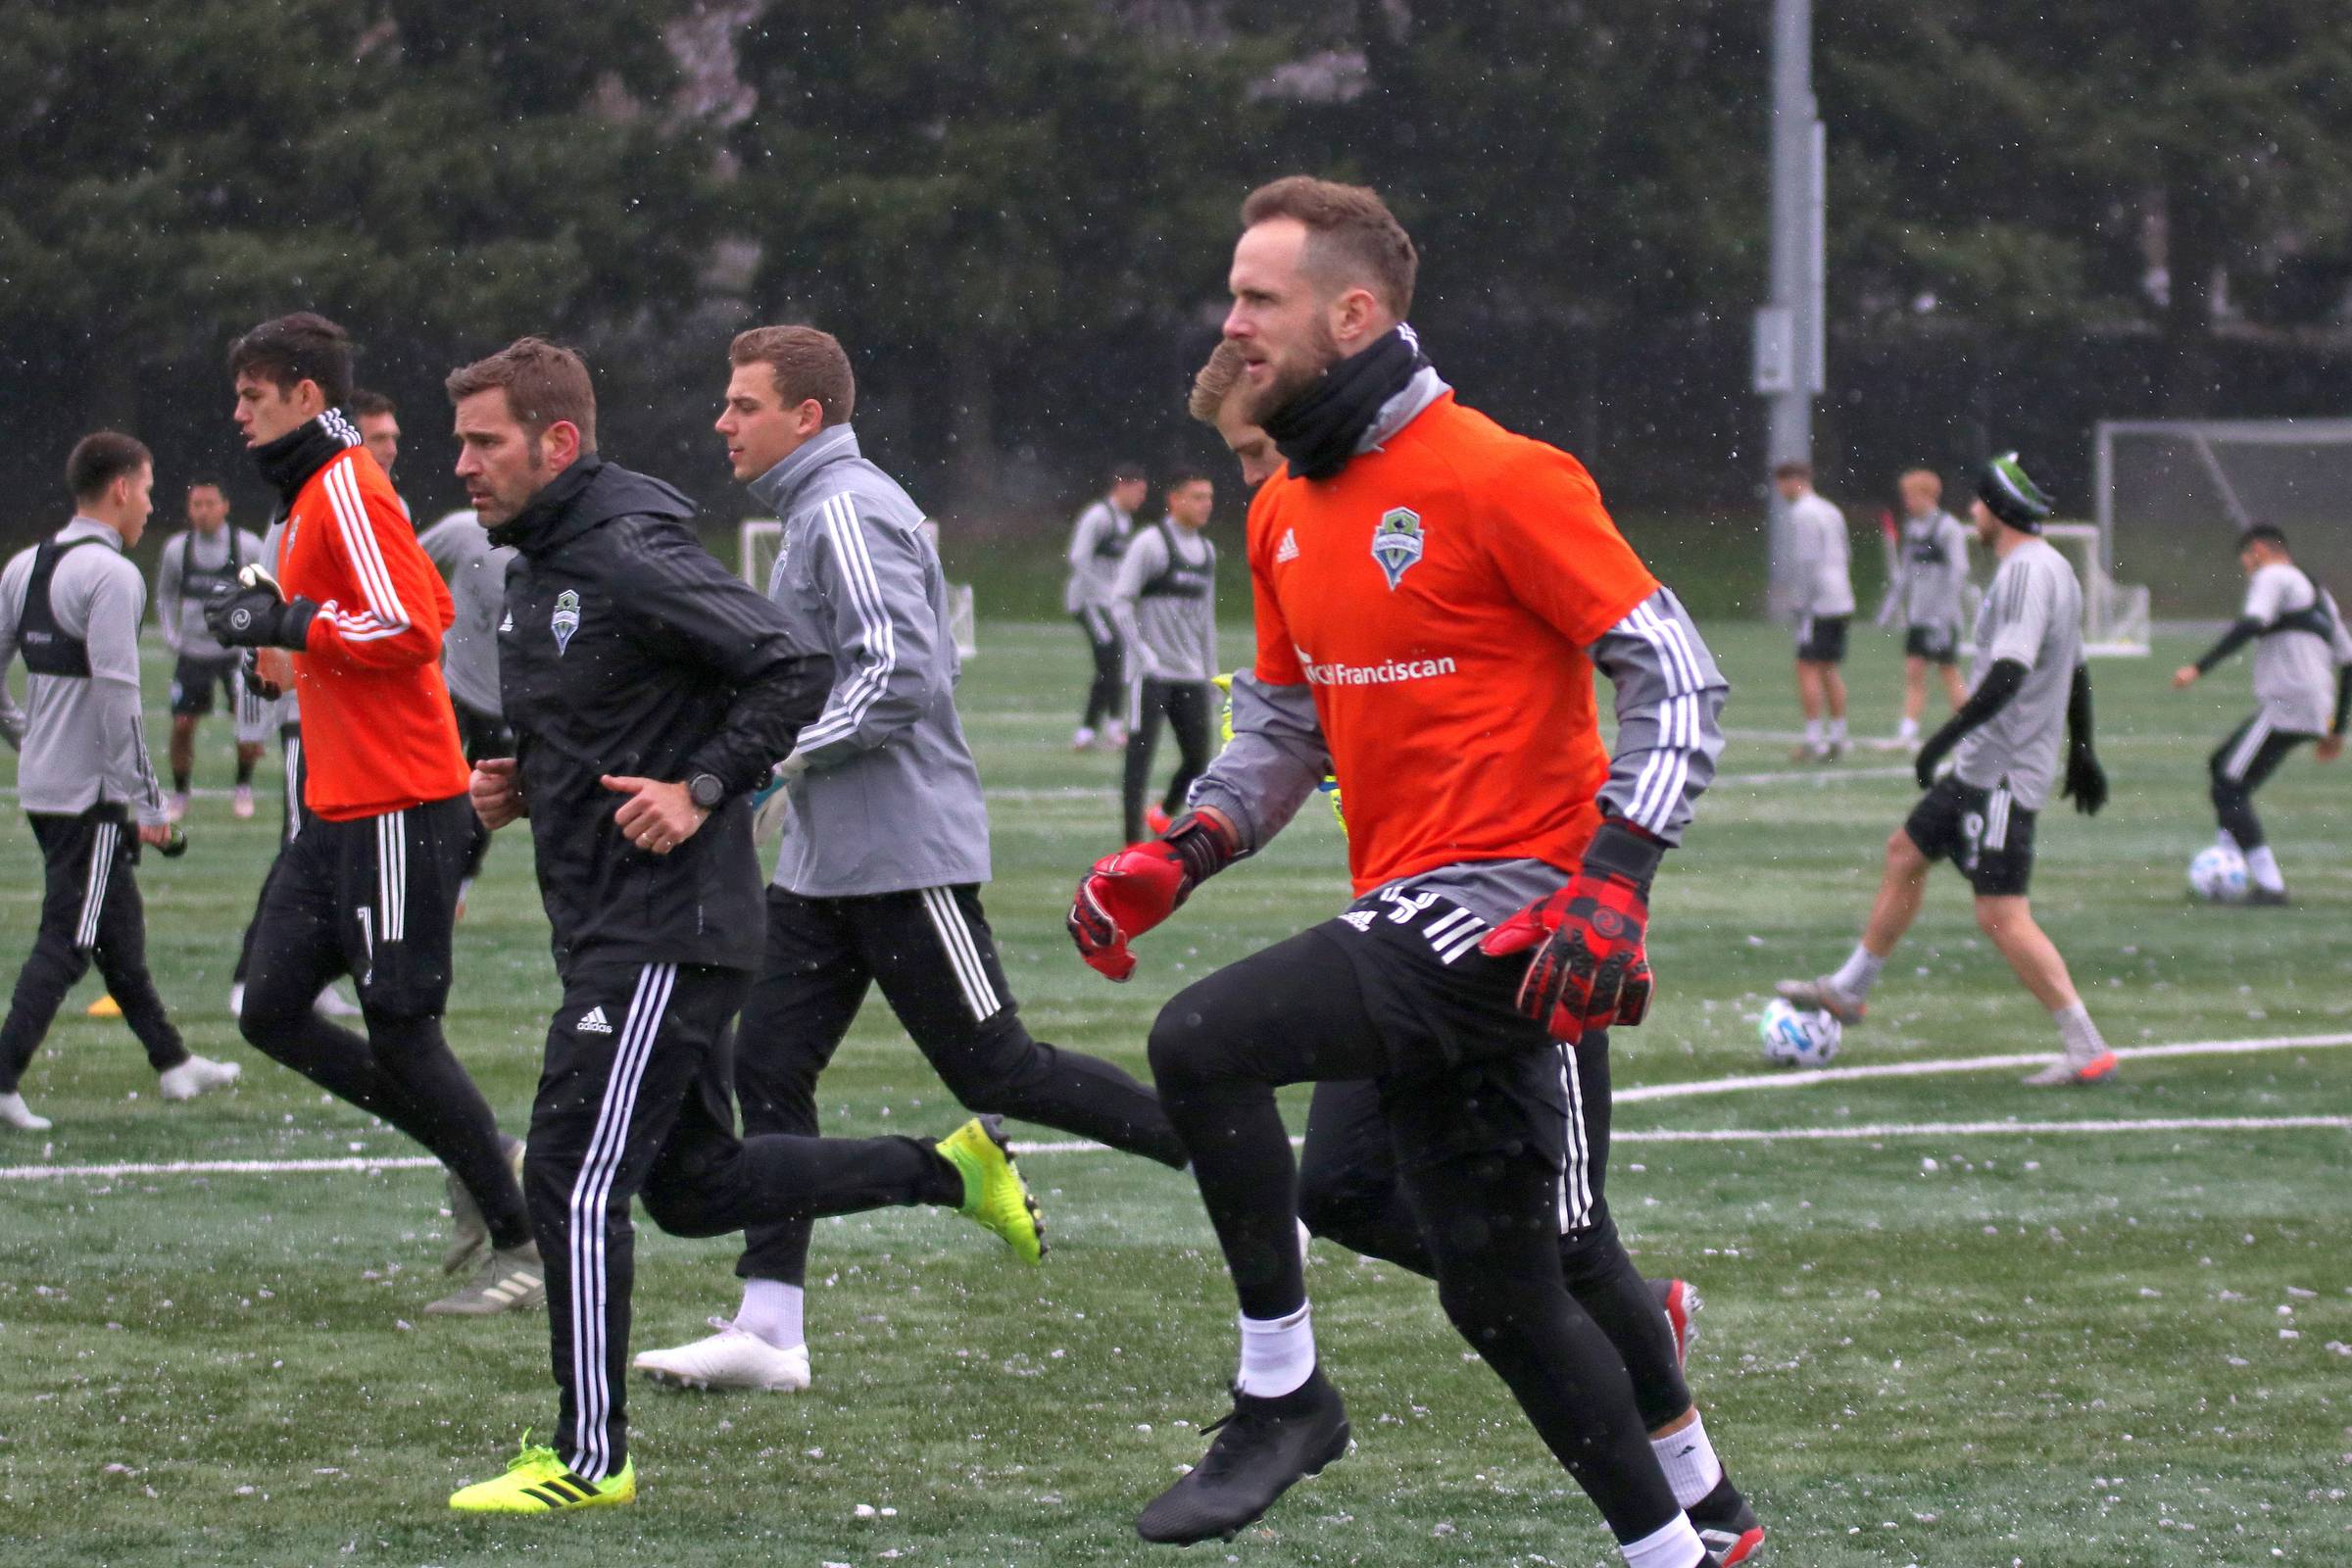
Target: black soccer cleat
x=1727, y=1525
x=1263, y=1448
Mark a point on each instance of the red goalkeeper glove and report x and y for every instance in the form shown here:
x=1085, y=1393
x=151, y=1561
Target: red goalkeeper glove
x=1587, y=970
x=1127, y=894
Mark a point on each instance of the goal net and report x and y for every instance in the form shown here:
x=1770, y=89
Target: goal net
x=757, y=539
x=2115, y=615
x=2171, y=496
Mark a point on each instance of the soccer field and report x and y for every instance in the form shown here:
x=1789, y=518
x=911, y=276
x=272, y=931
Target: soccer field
x=1950, y=1319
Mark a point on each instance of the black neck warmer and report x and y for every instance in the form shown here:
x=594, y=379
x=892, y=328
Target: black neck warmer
x=288, y=462
x=1319, y=430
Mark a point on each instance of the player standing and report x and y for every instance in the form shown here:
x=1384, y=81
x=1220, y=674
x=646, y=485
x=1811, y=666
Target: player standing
x=2032, y=689
x=195, y=564
x=1098, y=539
x=1433, y=595
x=72, y=606
x=1165, y=603
x=885, y=849
x=2302, y=691
x=650, y=692
x=1930, y=565
x=1825, y=606
x=368, y=884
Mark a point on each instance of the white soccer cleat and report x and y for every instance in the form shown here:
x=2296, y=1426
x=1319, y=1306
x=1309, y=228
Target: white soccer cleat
x=176, y=806
x=1082, y=739
x=14, y=1113
x=196, y=1075
x=236, y=999
x=334, y=1004
x=2075, y=1067
x=1824, y=994
x=242, y=803
x=731, y=1358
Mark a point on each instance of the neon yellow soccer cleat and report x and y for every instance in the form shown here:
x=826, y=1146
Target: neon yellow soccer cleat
x=538, y=1482
x=995, y=1197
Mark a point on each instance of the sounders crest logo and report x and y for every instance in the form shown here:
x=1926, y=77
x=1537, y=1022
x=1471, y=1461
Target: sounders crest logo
x=566, y=621
x=1397, y=543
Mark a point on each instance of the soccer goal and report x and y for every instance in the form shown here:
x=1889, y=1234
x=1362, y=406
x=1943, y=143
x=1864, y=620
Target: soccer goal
x=2115, y=615
x=2169, y=497
x=757, y=540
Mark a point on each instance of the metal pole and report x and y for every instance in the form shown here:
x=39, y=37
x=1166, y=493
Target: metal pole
x=1789, y=331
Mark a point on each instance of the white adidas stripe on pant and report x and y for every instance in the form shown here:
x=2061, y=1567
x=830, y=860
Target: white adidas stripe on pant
x=964, y=952
x=93, y=891
x=1576, y=1171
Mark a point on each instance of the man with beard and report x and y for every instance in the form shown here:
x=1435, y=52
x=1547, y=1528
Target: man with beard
x=1433, y=596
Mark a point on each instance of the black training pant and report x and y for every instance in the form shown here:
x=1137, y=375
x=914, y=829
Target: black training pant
x=291, y=814
x=931, y=953
x=374, y=897
x=1109, y=654
x=1475, y=1100
x=1187, y=705
x=90, y=911
x=1348, y=1193
x=633, y=1099
x=2242, y=765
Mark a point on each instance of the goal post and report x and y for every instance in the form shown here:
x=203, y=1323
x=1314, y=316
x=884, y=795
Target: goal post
x=757, y=539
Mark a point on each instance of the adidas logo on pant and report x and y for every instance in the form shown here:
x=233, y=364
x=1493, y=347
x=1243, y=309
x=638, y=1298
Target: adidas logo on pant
x=591, y=1022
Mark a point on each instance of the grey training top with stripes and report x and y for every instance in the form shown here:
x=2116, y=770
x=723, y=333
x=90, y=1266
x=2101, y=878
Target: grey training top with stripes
x=1933, y=568
x=2033, y=613
x=1098, y=539
x=81, y=736
x=2294, y=670
x=1166, y=602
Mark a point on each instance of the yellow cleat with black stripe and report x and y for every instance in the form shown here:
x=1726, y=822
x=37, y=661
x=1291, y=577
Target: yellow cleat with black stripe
x=995, y=1197
x=538, y=1482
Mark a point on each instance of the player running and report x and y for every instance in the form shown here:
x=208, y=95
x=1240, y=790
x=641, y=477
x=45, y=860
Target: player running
x=2032, y=688
x=1930, y=565
x=1164, y=602
x=650, y=692
x=196, y=565
x=1349, y=1191
x=1433, y=595
x=367, y=885
x=885, y=849
x=2302, y=691
x=71, y=605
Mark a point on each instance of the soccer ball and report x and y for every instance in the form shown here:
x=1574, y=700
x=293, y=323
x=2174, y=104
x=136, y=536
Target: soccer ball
x=2218, y=874
x=1798, y=1037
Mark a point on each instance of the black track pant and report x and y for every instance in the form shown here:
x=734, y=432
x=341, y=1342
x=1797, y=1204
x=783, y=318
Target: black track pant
x=373, y=898
x=1348, y=1193
x=1109, y=655
x=931, y=953
x=633, y=1099
x=2242, y=765
x=1462, y=1085
x=1187, y=705
x=90, y=911
x=289, y=823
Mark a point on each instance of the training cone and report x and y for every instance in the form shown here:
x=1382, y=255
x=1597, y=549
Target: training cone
x=106, y=1007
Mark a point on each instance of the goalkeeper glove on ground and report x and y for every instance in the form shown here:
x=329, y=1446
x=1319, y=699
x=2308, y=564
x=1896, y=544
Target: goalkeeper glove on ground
x=1586, y=966
x=1128, y=893
x=258, y=615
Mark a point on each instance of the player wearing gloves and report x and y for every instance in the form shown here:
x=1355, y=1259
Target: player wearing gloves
x=2032, y=689
x=1433, y=595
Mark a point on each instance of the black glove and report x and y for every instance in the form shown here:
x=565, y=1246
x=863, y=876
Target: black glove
x=257, y=618
x=2085, y=780
x=269, y=691
x=1930, y=756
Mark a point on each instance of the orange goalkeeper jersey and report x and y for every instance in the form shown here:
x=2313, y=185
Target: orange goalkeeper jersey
x=377, y=732
x=1437, y=595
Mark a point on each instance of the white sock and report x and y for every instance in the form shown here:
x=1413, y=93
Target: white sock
x=2081, y=1035
x=2227, y=839
x=2262, y=866
x=1689, y=1462
x=1277, y=1353
x=771, y=1309
x=1813, y=733
x=1836, y=731
x=1907, y=730
x=1672, y=1544
x=1859, y=973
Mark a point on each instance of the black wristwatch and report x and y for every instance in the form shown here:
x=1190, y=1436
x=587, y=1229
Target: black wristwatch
x=707, y=790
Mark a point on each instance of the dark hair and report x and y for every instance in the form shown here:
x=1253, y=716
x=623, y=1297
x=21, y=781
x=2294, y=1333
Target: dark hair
x=1214, y=382
x=207, y=482
x=101, y=457
x=544, y=385
x=807, y=365
x=366, y=404
x=1127, y=472
x=289, y=350
x=1792, y=469
x=1185, y=477
x=1351, y=232
x=2261, y=533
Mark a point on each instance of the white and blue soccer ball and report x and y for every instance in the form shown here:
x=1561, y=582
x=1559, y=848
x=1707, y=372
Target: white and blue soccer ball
x=2218, y=874
x=1799, y=1037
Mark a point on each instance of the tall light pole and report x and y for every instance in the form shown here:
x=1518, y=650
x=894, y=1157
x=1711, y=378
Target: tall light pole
x=1788, y=369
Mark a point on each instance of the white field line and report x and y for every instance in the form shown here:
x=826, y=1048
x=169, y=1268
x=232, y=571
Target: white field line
x=1704, y=1086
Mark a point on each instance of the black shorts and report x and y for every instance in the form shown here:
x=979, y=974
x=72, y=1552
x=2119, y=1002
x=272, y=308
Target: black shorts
x=1821, y=640
x=1936, y=644
x=1468, y=1075
x=374, y=897
x=1984, y=832
x=193, y=680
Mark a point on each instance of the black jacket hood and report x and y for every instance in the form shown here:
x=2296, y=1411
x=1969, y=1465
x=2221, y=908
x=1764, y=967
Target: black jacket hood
x=587, y=495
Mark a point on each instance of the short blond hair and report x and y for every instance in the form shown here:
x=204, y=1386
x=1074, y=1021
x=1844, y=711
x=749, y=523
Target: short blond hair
x=1214, y=382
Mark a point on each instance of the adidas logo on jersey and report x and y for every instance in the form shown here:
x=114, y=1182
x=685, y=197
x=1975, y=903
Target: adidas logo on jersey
x=508, y=624
x=1288, y=550
x=591, y=1022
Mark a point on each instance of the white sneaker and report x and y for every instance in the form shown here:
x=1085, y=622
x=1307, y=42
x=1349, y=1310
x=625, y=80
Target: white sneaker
x=236, y=999
x=2075, y=1067
x=334, y=1004
x=195, y=1075
x=14, y=1113
x=175, y=807
x=1082, y=738
x=242, y=803
x=731, y=1358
